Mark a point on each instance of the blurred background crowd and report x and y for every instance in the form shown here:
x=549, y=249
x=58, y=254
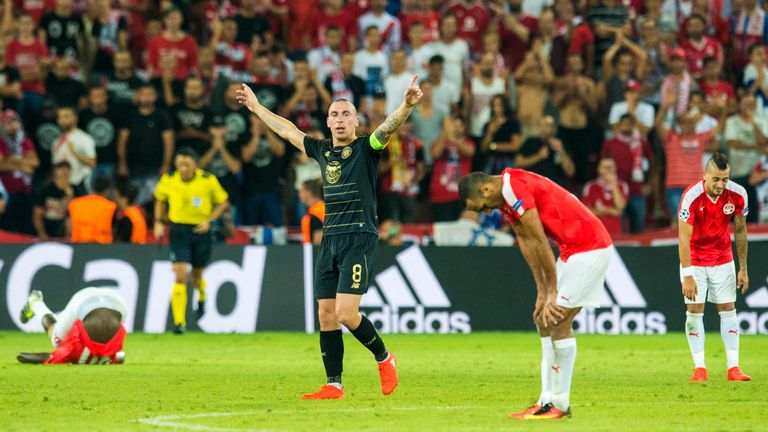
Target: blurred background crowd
x=620, y=101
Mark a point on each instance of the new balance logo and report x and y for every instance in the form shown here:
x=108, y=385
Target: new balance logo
x=404, y=292
x=620, y=291
x=694, y=334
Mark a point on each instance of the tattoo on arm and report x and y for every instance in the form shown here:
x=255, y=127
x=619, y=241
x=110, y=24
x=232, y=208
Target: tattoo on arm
x=741, y=240
x=391, y=124
x=272, y=123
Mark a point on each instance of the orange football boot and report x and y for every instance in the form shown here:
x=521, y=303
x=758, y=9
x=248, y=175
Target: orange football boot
x=548, y=412
x=530, y=410
x=699, y=374
x=326, y=392
x=388, y=374
x=735, y=374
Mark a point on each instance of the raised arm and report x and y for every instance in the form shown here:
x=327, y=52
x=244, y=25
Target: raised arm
x=537, y=252
x=396, y=119
x=282, y=127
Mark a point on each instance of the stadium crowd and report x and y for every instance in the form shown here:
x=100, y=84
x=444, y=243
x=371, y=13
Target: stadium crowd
x=618, y=101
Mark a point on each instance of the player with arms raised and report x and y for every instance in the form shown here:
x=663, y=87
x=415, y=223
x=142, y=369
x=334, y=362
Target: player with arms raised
x=350, y=235
x=707, y=271
x=538, y=208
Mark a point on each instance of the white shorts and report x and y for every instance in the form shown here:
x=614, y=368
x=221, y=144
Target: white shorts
x=714, y=284
x=83, y=303
x=580, y=281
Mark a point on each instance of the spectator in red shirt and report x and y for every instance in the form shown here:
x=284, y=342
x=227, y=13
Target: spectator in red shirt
x=576, y=32
x=18, y=162
x=516, y=30
x=333, y=13
x=714, y=88
x=299, y=20
x=698, y=45
x=452, y=155
x=473, y=19
x=606, y=196
x=175, y=43
x=632, y=157
x=30, y=56
x=36, y=8
x=402, y=169
x=421, y=12
x=232, y=57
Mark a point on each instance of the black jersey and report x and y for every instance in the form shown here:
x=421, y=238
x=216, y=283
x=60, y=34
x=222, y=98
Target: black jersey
x=350, y=177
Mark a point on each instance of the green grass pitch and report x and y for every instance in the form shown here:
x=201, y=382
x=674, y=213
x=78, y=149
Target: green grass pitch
x=202, y=382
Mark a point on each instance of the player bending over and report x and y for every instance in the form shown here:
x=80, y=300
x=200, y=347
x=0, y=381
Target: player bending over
x=350, y=235
x=707, y=272
x=88, y=331
x=537, y=209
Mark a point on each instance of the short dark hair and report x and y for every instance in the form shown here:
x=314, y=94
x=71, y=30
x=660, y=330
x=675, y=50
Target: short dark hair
x=697, y=16
x=436, y=59
x=188, y=152
x=719, y=161
x=128, y=191
x=708, y=60
x=314, y=187
x=370, y=28
x=469, y=186
x=101, y=184
x=627, y=116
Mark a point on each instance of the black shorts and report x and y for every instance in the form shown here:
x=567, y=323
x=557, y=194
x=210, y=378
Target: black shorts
x=343, y=264
x=188, y=246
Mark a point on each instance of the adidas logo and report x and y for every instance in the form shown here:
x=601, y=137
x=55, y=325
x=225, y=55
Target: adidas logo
x=753, y=322
x=620, y=292
x=408, y=298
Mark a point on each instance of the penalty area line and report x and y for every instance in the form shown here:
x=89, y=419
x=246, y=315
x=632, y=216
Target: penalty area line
x=179, y=421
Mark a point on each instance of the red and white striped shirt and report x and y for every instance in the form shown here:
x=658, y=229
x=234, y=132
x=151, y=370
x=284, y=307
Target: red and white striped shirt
x=710, y=217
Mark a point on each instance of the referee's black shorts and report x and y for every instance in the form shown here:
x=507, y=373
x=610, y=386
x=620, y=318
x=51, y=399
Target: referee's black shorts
x=343, y=264
x=188, y=246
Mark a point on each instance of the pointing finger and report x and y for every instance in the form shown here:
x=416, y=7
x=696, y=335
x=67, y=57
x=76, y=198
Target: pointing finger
x=413, y=81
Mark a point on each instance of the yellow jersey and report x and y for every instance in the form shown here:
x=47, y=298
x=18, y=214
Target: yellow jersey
x=190, y=202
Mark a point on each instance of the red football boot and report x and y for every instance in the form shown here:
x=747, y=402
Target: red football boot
x=326, y=392
x=699, y=374
x=548, y=412
x=388, y=374
x=530, y=410
x=735, y=374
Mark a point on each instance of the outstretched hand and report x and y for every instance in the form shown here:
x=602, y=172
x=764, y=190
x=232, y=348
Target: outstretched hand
x=413, y=94
x=247, y=97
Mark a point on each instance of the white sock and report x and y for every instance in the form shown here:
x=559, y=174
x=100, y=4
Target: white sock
x=40, y=309
x=547, y=358
x=694, y=330
x=729, y=331
x=562, y=371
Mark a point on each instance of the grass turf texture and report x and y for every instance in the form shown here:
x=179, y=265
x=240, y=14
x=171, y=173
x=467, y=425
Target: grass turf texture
x=447, y=383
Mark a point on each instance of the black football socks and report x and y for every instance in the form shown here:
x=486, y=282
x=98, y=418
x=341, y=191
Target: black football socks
x=332, y=349
x=368, y=336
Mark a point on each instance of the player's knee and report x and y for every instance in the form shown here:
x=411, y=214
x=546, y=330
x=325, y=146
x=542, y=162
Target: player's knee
x=347, y=317
x=695, y=308
x=327, y=318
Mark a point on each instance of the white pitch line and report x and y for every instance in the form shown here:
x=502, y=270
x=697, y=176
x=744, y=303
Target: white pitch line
x=171, y=421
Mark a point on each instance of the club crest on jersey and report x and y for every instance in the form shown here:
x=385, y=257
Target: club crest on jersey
x=346, y=152
x=729, y=208
x=684, y=214
x=333, y=172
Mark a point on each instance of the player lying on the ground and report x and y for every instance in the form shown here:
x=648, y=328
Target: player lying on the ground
x=707, y=271
x=538, y=208
x=88, y=331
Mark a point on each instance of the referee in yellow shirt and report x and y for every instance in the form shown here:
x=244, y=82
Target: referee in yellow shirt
x=191, y=199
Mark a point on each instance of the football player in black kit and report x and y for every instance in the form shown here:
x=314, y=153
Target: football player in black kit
x=350, y=236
